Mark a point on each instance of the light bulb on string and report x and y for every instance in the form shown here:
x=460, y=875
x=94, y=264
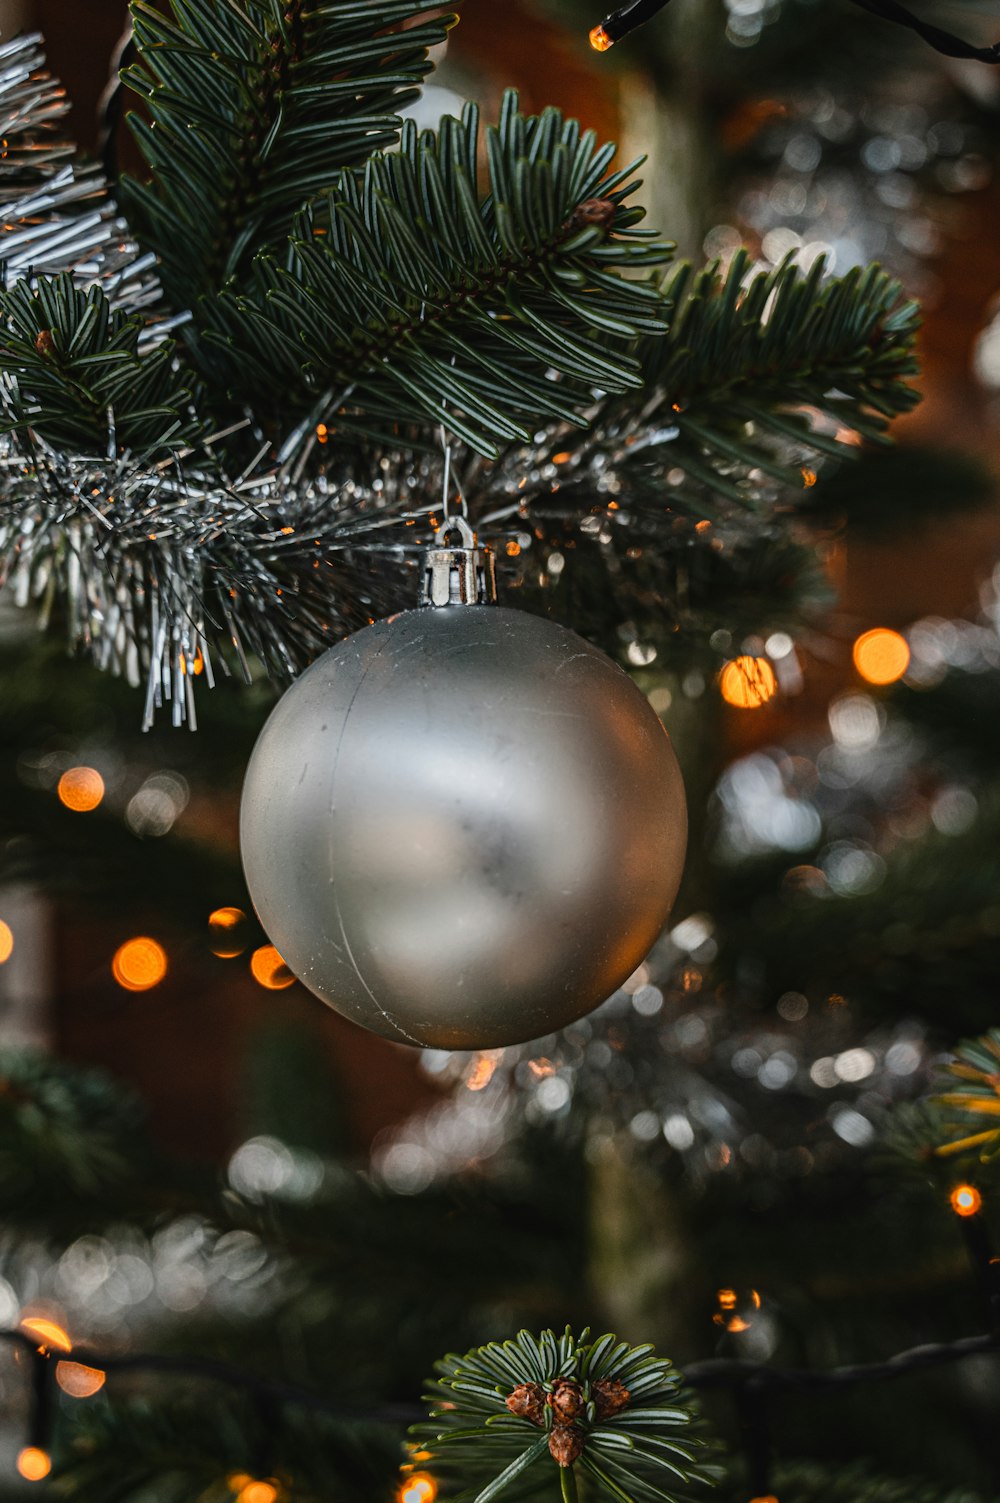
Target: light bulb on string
x=269, y=970
x=881, y=656
x=621, y=22
x=257, y=1492
x=228, y=929
x=618, y=25
x=966, y=1200
x=48, y=1333
x=81, y=789
x=748, y=682
x=419, y=1488
x=736, y=1310
x=139, y=964
x=79, y=1381
x=34, y=1463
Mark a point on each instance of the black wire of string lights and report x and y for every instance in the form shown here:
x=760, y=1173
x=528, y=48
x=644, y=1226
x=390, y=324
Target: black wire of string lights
x=752, y=1384
x=620, y=23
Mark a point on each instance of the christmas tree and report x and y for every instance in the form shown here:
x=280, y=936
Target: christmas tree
x=284, y=342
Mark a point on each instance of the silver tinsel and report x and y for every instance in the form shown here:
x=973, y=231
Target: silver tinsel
x=58, y=215
x=166, y=573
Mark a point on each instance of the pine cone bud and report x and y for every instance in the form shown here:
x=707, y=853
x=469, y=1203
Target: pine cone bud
x=609, y=1396
x=566, y=1444
x=566, y=1400
x=593, y=213
x=527, y=1401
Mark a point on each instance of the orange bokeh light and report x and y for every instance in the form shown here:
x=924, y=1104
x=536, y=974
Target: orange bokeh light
x=258, y=1492
x=47, y=1333
x=139, y=964
x=727, y=1316
x=33, y=1463
x=6, y=941
x=420, y=1488
x=881, y=656
x=748, y=683
x=81, y=789
x=226, y=925
x=78, y=1381
x=600, y=40
x=270, y=970
x=966, y=1200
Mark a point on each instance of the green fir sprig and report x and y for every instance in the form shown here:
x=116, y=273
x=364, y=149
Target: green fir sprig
x=763, y=371
x=539, y=1412
x=76, y=375
x=251, y=110
x=415, y=295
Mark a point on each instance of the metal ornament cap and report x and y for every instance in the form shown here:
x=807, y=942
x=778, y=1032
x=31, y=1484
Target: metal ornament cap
x=463, y=827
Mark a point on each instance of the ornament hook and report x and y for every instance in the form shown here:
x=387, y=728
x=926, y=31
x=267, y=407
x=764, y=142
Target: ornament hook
x=461, y=573
x=457, y=571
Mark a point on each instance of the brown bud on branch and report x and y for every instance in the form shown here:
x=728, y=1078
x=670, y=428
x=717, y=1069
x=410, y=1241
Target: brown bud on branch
x=527, y=1401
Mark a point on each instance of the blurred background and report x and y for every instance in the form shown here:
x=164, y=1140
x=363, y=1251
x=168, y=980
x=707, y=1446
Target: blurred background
x=318, y=1201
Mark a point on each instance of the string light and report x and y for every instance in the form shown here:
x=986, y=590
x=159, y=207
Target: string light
x=47, y=1333
x=420, y=1488
x=257, y=1492
x=81, y=789
x=139, y=964
x=227, y=925
x=6, y=941
x=727, y=1314
x=270, y=970
x=748, y=682
x=34, y=1464
x=78, y=1381
x=966, y=1200
x=618, y=25
x=881, y=656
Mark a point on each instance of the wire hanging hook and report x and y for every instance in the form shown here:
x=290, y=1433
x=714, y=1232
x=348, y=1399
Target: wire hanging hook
x=450, y=516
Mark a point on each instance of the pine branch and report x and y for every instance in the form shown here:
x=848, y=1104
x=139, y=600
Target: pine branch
x=72, y=1143
x=429, y=304
x=521, y=1408
x=198, y=1445
x=74, y=374
x=753, y=371
x=253, y=110
x=654, y=590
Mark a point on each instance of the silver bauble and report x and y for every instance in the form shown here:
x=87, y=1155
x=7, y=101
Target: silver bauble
x=463, y=827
